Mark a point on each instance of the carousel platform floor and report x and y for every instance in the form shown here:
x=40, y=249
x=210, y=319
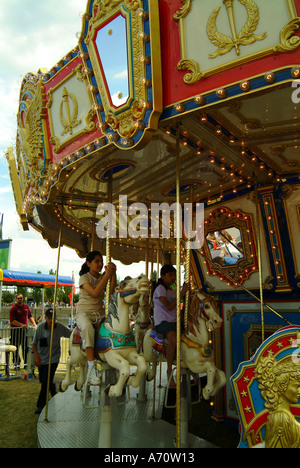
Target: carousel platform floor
x=71, y=425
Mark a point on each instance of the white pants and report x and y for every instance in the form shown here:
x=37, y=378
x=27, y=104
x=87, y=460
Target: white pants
x=85, y=322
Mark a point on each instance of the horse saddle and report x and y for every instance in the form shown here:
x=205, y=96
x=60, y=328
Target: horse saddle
x=108, y=339
x=159, y=344
x=76, y=340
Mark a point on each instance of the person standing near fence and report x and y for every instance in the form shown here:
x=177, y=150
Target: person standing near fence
x=19, y=317
x=41, y=349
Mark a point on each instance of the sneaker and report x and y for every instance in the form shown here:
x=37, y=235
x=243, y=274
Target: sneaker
x=93, y=376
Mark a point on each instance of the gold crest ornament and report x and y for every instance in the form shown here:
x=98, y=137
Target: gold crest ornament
x=279, y=382
x=71, y=121
x=245, y=37
x=235, y=39
x=266, y=391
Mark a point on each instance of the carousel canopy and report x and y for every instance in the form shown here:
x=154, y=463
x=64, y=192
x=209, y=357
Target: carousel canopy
x=35, y=280
x=221, y=96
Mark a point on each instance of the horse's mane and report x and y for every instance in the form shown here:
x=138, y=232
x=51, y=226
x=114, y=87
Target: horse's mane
x=113, y=308
x=194, y=312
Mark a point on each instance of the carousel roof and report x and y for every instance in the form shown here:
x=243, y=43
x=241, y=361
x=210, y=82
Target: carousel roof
x=225, y=150
x=237, y=130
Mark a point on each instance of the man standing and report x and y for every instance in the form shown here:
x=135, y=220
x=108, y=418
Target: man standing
x=19, y=316
x=41, y=349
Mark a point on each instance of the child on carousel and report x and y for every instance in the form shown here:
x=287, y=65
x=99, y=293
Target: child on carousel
x=165, y=315
x=90, y=308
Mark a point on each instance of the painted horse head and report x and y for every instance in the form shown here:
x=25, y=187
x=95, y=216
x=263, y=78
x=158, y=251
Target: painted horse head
x=131, y=289
x=203, y=307
x=128, y=292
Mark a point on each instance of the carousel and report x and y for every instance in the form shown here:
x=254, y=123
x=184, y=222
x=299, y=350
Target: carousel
x=170, y=135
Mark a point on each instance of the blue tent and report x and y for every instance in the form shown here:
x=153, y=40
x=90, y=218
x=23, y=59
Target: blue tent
x=34, y=280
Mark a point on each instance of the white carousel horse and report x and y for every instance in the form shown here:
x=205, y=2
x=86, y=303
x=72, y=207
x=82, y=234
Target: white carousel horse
x=142, y=322
x=115, y=343
x=196, y=348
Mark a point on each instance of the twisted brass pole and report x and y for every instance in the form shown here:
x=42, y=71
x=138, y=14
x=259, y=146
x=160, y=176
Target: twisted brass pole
x=260, y=266
x=108, y=242
x=178, y=337
x=188, y=259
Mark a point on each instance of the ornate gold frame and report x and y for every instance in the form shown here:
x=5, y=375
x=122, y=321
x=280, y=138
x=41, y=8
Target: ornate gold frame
x=288, y=41
x=248, y=399
x=33, y=153
x=89, y=119
x=223, y=218
x=139, y=114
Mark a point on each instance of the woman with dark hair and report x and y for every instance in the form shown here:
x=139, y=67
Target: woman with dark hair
x=165, y=315
x=90, y=308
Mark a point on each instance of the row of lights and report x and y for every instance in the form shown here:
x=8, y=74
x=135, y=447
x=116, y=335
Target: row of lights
x=245, y=86
x=270, y=216
x=234, y=174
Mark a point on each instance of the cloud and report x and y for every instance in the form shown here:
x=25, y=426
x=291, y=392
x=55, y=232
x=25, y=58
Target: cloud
x=34, y=35
x=121, y=75
x=7, y=189
x=39, y=33
x=118, y=101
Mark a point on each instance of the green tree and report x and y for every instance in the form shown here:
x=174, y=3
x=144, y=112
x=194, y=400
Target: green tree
x=49, y=292
x=8, y=297
x=24, y=291
x=37, y=293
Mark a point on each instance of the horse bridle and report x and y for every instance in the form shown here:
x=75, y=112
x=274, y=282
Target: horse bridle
x=126, y=292
x=202, y=310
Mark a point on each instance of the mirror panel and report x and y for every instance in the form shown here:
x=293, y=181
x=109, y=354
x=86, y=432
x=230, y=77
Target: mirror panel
x=229, y=249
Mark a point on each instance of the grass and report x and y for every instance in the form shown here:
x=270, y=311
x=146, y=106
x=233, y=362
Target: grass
x=18, y=423
x=18, y=427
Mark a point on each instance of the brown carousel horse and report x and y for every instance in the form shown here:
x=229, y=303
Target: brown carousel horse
x=196, y=347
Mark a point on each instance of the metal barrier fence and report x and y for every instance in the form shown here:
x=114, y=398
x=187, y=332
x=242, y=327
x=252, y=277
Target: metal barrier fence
x=14, y=364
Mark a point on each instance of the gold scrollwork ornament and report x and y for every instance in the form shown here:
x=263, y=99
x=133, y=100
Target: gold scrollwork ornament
x=288, y=41
x=245, y=37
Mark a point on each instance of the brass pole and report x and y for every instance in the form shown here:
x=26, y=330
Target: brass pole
x=151, y=276
x=108, y=243
x=157, y=260
x=152, y=262
x=260, y=266
x=178, y=337
x=188, y=260
x=93, y=235
x=53, y=319
x=161, y=250
x=147, y=258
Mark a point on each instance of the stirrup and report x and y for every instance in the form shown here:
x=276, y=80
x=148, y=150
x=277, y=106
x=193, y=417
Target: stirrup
x=86, y=391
